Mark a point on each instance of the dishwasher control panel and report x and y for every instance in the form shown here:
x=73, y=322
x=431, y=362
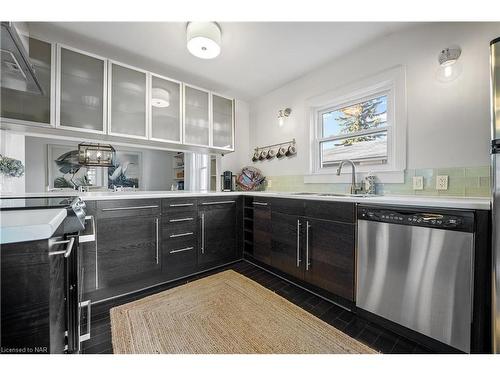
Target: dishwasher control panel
x=451, y=221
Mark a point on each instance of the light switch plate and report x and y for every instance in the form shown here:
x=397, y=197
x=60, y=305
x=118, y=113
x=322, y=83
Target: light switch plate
x=441, y=182
x=418, y=183
x=269, y=183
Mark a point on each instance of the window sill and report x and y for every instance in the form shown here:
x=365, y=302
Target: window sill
x=385, y=177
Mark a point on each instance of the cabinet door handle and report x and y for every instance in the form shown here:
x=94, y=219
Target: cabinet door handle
x=181, y=250
x=181, y=205
x=202, y=233
x=157, y=240
x=298, y=243
x=307, y=246
x=259, y=203
x=181, y=234
x=179, y=220
x=67, y=251
x=129, y=208
x=218, y=202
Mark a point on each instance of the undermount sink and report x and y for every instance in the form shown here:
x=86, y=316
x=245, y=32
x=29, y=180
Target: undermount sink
x=334, y=194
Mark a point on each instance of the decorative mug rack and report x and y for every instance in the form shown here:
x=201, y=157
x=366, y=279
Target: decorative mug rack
x=270, y=151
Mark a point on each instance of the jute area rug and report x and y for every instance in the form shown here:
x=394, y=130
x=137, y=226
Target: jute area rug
x=220, y=314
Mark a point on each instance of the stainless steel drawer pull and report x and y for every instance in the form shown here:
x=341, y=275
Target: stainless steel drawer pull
x=129, y=208
x=219, y=202
x=179, y=220
x=181, y=250
x=298, y=243
x=181, y=205
x=67, y=251
x=157, y=240
x=259, y=203
x=202, y=233
x=181, y=234
x=88, y=305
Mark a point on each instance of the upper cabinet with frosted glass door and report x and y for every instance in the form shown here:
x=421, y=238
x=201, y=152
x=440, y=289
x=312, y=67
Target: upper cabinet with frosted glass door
x=127, y=101
x=81, y=91
x=196, y=116
x=166, y=108
x=222, y=122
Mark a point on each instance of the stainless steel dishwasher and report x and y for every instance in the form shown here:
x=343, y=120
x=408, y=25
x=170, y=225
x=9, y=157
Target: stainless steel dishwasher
x=415, y=268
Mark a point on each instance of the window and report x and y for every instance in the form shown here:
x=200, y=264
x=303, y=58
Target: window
x=363, y=121
x=357, y=131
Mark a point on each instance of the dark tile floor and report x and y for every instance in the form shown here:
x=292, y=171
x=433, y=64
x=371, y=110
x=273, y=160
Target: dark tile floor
x=373, y=335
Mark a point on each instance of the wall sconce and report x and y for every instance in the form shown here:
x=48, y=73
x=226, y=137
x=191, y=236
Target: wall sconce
x=449, y=68
x=282, y=115
x=96, y=155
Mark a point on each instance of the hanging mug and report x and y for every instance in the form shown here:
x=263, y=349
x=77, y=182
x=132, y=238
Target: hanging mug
x=281, y=152
x=255, y=156
x=263, y=155
x=291, y=150
x=271, y=154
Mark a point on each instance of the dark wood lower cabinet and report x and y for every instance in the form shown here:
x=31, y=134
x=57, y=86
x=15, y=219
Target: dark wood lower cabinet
x=128, y=252
x=218, y=233
x=286, y=253
x=329, y=256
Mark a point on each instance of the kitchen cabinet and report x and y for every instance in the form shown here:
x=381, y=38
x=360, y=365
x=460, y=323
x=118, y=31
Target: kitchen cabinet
x=218, y=232
x=20, y=105
x=222, y=122
x=329, y=256
x=127, y=101
x=262, y=233
x=128, y=246
x=286, y=254
x=166, y=109
x=196, y=116
x=81, y=91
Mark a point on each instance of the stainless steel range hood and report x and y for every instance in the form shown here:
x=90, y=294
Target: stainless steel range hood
x=17, y=72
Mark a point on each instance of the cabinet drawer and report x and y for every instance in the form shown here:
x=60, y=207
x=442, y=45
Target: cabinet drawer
x=286, y=206
x=176, y=205
x=128, y=207
x=179, y=218
x=179, y=259
x=335, y=211
x=179, y=231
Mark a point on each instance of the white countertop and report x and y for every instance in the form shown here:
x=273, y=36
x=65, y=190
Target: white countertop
x=401, y=200
x=29, y=225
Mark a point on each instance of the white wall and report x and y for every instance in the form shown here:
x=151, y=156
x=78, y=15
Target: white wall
x=157, y=172
x=12, y=146
x=448, y=124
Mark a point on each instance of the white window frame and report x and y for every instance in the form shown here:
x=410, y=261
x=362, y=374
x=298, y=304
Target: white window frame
x=390, y=83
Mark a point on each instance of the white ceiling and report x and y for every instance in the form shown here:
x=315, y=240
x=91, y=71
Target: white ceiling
x=256, y=57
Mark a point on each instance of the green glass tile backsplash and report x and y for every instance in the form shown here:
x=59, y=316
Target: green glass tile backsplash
x=462, y=182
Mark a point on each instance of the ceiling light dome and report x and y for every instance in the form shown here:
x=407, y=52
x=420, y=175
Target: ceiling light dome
x=160, y=98
x=203, y=39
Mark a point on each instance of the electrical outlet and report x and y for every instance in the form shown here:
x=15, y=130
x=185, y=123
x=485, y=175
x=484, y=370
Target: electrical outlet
x=418, y=183
x=269, y=183
x=441, y=182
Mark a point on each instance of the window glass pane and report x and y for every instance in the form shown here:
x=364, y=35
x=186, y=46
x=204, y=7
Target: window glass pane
x=373, y=146
x=354, y=118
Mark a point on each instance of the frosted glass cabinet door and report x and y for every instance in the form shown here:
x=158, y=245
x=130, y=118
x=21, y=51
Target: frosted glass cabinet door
x=128, y=101
x=196, y=116
x=222, y=117
x=81, y=101
x=165, y=110
x=22, y=105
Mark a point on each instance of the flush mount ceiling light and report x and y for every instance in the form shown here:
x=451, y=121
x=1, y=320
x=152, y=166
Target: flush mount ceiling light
x=160, y=98
x=283, y=114
x=449, y=68
x=203, y=39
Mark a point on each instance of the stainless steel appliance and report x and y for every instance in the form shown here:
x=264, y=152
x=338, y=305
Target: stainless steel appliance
x=495, y=155
x=17, y=71
x=416, y=269
x=228, y=181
